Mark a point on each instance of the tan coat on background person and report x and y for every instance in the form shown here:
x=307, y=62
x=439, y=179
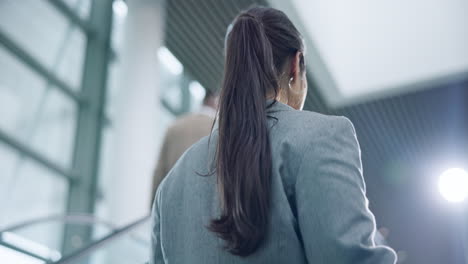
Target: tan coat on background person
x=182, y=134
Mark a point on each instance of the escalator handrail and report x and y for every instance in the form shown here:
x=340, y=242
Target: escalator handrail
x=101, y=242
x=70, y=218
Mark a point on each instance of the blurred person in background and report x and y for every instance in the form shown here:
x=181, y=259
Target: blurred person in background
x=182, y=134
x=272, y=183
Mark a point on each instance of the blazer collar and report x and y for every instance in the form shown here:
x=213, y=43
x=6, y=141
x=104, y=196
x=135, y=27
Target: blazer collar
x=276, y=106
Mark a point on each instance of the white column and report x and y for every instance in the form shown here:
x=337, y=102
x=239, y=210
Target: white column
x=135, y=120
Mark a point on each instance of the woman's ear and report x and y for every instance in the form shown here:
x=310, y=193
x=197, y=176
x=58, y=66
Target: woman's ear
x=296, y=67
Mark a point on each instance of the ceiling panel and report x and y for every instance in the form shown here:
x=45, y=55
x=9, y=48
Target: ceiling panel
x=372, y=49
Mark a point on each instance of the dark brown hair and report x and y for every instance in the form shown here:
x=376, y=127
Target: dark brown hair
x=259, y=46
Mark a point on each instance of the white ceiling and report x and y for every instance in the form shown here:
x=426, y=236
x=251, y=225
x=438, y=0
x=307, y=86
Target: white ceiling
x=372, y=48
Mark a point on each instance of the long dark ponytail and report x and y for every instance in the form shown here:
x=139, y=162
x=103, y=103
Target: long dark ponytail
x=260, y=43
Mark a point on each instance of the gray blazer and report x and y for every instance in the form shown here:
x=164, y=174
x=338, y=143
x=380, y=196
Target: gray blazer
x=319, y=208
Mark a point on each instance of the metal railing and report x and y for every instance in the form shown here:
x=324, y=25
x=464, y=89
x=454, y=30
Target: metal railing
x=80, y=219
x=93, y=246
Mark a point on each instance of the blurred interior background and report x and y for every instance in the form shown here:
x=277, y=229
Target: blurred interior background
x=89, y=87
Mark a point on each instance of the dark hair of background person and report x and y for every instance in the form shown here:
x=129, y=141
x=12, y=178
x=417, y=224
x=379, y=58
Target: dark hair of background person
x=259, y=51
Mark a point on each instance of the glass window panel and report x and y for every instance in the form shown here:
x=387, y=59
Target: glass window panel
x=47, y=35
x=34, y=112
x=173, y=96
x=197, y=94
x=28, y=190
x=134, y=247
x=81, y=7
x=172, y=78
x=113, y=91
x=115, y=67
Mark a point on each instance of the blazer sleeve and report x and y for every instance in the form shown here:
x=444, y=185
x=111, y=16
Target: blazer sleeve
x=156, y=247
x=332, y=209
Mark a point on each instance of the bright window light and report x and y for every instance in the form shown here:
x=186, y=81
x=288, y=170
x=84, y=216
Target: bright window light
x=197, y=90
x=30, y=246
x=8, y=255
x=453, y=185
x=120, y=8
x=170, y=61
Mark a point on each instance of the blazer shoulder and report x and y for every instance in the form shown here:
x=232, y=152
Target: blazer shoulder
x=195, y=159
x=312, y=126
